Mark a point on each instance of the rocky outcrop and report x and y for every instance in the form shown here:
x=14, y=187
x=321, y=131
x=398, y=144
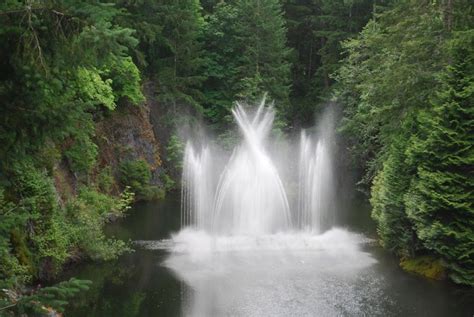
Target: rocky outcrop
x=127, y=134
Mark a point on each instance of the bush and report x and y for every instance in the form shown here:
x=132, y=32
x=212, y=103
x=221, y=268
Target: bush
x=87, y=215
x=37, y=235
x=105, y=180
x=175, y=151
x=12, y=271
x=82, y=155
x=137, y=175
x=168, y=183
x=41, y=233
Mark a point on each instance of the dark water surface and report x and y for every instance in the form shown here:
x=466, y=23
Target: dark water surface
x=259, y=283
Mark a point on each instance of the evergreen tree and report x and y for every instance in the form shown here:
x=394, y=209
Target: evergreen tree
x=420, y=153
x=247, y=55
x=316, y=29
x=387, y=76
x=180, y=59
x=58, y=60
x=394, y=228
x=440, y=201
x=63, y=66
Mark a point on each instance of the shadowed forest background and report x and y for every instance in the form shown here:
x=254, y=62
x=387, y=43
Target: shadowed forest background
x=94, y=97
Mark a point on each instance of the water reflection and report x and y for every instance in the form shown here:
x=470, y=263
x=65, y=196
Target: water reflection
x=279, y=275
x=256, y=278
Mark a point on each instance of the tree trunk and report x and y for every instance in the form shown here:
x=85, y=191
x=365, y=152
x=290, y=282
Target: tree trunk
x=448, y=15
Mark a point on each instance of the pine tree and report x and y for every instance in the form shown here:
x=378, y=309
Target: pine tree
x=440, y=201
x=388, y=210
x=315, y=31
x=179, y=65
x=387, y=76
x=248, y=55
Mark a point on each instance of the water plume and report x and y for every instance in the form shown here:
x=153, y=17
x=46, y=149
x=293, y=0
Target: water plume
x=240, y=235
x=247, y=195
x=316, y=199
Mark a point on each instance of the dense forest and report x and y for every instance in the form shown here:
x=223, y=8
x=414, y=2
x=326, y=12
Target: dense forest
x=76, y=74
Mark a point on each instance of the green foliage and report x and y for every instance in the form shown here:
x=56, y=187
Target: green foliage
x=137, y=175
x=170, y=49
x=179, y=66
x=53, y=234
x=125, y=80
x=440, y=198
x=87, y=215
x=39, y=207
x=315, y=31
x=49, y=156
x=175, y=152
x=46, y=300
x=63, y=66
x=105, y=180
x=37, y=235
x=82, y=154
x=92, y=87
x=56, y=71
x=388, y=74
x=388, y=209
x=247, y=56
x=407, y=85
x=168, y=183
x=12, y=271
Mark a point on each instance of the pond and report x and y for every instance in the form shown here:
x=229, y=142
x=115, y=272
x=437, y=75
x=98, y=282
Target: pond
x=345, y=274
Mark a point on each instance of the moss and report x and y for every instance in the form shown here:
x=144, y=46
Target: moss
x=426, y=266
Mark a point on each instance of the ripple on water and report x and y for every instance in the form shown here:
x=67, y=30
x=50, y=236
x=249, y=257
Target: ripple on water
x=298, y=274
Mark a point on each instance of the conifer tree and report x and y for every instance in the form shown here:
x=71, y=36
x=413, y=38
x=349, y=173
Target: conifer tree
x=440, y=201
x=180, y=62
x=395, y=230
x=248, y=55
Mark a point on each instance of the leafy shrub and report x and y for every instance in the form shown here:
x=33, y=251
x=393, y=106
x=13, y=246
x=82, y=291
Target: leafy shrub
x=87, y=216
x=105, y=180
x=137, y=175
x=93, y=89
x=168, y=182
x=48, y=156
x=424, y=265
x=82, y=154
x=42, y=231
x=37, y=235
x=175, y=151
x=126, y=80
x=12, y=271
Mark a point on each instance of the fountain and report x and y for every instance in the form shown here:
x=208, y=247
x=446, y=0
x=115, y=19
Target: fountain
x=316, y=211
x=248, y=196
x=196, y=191
x=256, y=240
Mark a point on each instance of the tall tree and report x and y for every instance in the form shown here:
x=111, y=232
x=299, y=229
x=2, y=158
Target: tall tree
x=170, y=49
x=64, y=64
x=180, y=59
x=388, y=75
x=418, y=154
x=316, y=29
x=248, y=56
x=440, y=201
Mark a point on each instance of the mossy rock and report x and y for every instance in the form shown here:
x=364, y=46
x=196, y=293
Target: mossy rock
x=426, y=266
